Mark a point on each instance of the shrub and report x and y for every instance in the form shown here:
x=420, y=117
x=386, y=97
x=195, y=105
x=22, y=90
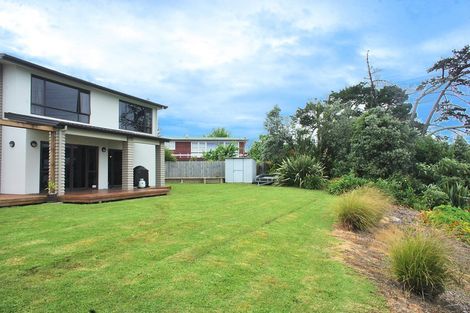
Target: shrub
x=430, y=150
x=453, y=219
x=345, y=184
x=453, y=168
x=220, y=153
x=460, y=150
x=362, y=209
x=458, y=194
x=314, y=182
x=169, y=155
x=420, y=263
x=402, y=189
x=301, y=171
x=433, y=196
x=444, y=171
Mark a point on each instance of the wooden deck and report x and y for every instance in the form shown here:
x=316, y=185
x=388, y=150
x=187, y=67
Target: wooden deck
x=14, y=200
x=96, y=196
x=89, y=196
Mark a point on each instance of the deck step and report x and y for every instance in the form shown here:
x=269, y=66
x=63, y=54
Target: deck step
x=112, y=195
x=14, y=200
x=84, y=197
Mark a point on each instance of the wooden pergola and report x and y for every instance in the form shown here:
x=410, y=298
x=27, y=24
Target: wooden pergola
x=52, y=145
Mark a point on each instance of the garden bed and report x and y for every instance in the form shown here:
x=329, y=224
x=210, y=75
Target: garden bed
x=367, y=254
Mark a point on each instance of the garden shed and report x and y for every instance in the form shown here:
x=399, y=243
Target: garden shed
x=240, y=170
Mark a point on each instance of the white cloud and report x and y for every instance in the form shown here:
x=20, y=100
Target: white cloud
x=200, y=59
x=442, y=44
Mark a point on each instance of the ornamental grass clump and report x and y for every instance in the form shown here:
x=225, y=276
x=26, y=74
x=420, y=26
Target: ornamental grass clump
x=362, y=209
x=420, y=264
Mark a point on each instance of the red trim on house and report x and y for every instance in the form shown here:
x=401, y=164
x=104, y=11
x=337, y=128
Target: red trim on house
x=182, y=150
x=241, y=148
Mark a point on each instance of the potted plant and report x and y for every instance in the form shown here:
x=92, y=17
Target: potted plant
x=51, y=191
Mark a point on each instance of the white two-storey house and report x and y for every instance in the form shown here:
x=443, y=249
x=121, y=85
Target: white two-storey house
x=68, y=134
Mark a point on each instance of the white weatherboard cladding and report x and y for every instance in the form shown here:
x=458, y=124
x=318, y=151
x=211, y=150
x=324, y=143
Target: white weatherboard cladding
x=144, y=155
x=240, y=170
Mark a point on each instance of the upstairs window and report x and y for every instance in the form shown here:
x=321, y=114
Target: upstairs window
x=135, y=117
x=57, y=100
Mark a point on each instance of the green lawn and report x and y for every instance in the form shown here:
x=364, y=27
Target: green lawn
x=203, y=248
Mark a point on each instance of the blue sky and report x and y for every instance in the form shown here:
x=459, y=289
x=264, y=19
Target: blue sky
x=227, y=63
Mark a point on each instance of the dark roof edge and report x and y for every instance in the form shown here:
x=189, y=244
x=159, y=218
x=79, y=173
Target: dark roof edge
x=62, y=124
x=19, y=61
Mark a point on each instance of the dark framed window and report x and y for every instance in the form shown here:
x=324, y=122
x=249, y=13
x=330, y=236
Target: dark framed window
x=53, y=99
x=135, y=117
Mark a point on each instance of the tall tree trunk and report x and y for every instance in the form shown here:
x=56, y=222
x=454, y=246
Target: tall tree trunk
x=425, y=93
x=435, y=107
x=373, y=95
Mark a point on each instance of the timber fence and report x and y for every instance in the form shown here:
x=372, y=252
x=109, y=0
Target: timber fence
x=195, y=170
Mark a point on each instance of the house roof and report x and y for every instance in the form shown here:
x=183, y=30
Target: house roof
x=61, y=124
x=15, y=60
x=206, y=139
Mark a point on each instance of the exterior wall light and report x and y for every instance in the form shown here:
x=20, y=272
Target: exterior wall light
x=12, y=144
x=103, y=149
x=34, y=143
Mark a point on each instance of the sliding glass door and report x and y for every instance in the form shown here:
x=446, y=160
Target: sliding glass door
x=81, y=167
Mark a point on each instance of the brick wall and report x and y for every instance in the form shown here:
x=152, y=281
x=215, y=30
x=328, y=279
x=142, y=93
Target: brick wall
x=128, y=164
x=60, y=162
x=160, y=165
x=1, y=116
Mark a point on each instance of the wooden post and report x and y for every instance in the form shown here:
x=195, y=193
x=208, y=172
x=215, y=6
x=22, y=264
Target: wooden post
x=52, y=161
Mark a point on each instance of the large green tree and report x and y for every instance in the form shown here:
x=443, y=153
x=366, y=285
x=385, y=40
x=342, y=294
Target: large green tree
x=448, y=91
x=391, y=99
x=279, y=140
x=381, y=145
x=326, y=127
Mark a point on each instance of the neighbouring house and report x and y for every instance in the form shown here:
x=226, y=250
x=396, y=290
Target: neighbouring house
x=190, y=148
x=73, y=135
